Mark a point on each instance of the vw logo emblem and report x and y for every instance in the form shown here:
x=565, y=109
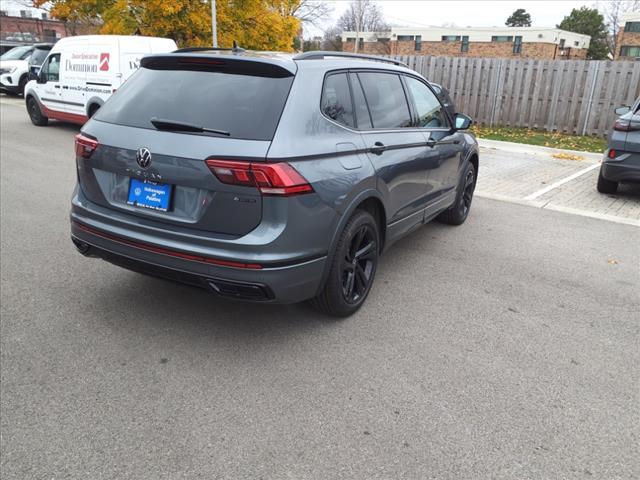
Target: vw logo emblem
x=143, y=157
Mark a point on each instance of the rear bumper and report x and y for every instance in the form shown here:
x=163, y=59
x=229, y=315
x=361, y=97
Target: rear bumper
x=623, y=169
x=281, y=284
x=245, y=272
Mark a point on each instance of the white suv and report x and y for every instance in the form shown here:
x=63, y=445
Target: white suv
x=14, y=67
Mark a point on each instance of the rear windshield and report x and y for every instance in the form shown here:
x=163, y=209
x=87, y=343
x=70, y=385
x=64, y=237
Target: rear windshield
x=246, y=106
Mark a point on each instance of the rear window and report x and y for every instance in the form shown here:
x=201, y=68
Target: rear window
x=385, y=96
x=336, y=99
x=246, y=106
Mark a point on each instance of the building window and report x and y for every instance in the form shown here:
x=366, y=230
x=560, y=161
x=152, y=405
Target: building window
x=632, y=27
x=502, y=38
x=562, y=41
x=418, y=43
x=517, y=45
x=628, y=51
x=450, y=38
x=406, y=38
x=576, y=44
x=464, y=47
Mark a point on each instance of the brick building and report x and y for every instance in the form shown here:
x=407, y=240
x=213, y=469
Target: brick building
x=496, y=42
x=628, y=43
x=30, y=26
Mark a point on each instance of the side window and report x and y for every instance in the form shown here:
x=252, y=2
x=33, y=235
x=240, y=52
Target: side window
x=336, y=99
x=51, y=69
x=430, y=112
x=362, y=111
x=386, y=99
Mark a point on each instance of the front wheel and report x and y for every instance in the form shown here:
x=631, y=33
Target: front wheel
x=22, y=84
x=35, y=114
x=459, y=211
x=353, y=267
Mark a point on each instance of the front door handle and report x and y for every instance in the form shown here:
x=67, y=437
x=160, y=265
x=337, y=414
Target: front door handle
x=378, y=148
x=431, y=143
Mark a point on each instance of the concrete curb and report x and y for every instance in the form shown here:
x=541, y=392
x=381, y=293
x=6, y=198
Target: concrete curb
x=536, y=150
x=558, y=208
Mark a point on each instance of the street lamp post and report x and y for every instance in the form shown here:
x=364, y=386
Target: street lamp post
x=214, y=24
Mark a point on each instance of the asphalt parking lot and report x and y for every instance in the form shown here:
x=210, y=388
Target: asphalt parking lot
x=506, y=348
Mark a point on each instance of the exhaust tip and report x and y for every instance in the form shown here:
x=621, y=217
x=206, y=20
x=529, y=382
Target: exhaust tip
x=81, y=246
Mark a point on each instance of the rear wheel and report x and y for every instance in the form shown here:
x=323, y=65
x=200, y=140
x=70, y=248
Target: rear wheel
x=93, y=109
x=35, y=114
x=353, y=267
x=606, y=186
x=458, y=213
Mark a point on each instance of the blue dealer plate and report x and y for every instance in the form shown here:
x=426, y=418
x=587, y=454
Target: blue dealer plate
x=147, y=194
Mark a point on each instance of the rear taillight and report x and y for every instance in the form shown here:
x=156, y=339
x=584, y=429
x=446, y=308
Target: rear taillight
x=270, y=178
x=626, y=125
x=612, y=153
x=85, y=146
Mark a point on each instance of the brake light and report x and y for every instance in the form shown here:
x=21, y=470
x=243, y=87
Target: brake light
x=270, y=178
x=85, y=146
x=626, y=125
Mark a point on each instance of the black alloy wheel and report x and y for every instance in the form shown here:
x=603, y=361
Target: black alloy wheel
x=358, y=265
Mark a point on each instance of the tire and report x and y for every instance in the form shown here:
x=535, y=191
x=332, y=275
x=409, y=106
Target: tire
x=606, y=186
x=351, y=275
x=22, y=84
x=35, y=114
x=459, y=211
x=93, y=109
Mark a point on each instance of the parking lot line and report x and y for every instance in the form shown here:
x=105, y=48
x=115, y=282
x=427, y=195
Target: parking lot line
x=555, y=185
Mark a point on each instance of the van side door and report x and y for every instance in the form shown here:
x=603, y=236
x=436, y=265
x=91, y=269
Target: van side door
x=76, y=62
x=445, y=141
x=397, y=150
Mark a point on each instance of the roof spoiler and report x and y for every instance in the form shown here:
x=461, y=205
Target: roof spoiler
x=232, y=64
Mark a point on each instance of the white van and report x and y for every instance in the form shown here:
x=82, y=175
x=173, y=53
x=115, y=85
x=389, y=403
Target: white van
x=81, y=73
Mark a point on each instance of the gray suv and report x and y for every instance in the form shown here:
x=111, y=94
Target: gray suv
x=621, y=162
x=267, y=177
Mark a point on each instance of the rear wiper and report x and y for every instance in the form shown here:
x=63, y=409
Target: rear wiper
x=174, y=126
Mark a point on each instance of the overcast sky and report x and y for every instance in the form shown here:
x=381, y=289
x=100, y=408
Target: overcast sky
x=475, y=13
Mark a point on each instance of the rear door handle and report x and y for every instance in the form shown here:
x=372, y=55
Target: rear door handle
x=378, y=148
x=431, y=143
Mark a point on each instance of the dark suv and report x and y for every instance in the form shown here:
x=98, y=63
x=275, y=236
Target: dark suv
x=267, y=177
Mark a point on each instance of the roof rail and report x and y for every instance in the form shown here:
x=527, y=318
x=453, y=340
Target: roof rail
x=320, y=55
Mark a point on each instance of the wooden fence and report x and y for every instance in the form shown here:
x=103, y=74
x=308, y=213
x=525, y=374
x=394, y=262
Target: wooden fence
x=572, y=96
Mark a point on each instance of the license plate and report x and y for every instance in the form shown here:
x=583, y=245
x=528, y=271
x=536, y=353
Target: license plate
x=147, y=194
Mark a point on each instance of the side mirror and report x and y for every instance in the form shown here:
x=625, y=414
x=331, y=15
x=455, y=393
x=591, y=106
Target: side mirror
x=33, y=72
x=462, y=122
x=622, y=110
x=41, y=77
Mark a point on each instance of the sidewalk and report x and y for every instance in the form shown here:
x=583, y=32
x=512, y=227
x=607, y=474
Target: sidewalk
x=531, y=175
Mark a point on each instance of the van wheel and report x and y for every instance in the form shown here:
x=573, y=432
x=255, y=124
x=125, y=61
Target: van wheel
x=93, y=109
x=35, y=114
x=353, y=267
x=458, y=213
x=606, y=186
x=22, y=84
